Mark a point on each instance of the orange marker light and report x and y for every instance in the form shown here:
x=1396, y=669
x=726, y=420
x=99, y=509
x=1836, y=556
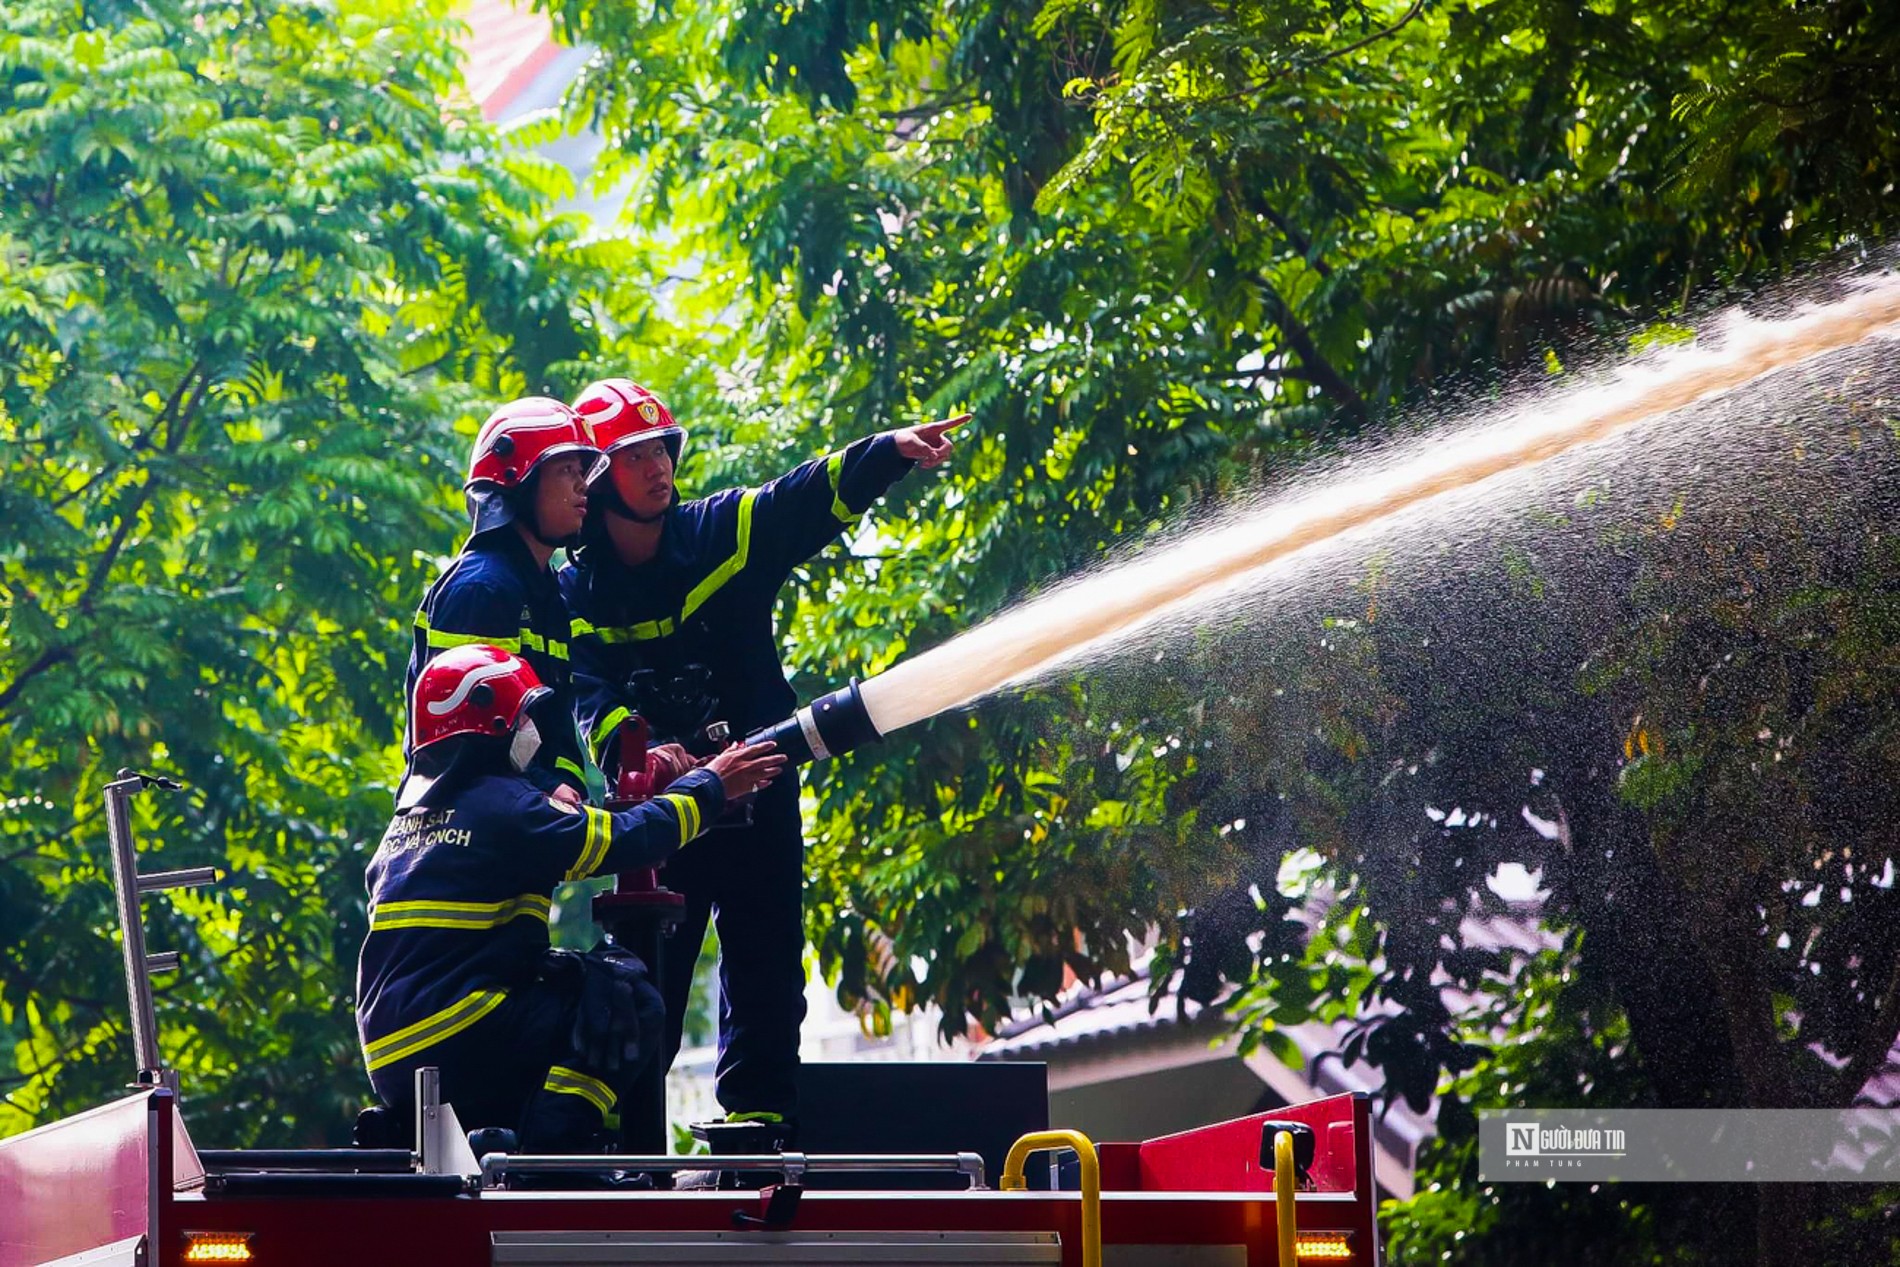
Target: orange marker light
x=1323, y=1247
x=218, y=1247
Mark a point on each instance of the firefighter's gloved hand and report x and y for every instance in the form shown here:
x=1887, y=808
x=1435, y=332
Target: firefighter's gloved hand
x=600, y=1035
x=619, y=1013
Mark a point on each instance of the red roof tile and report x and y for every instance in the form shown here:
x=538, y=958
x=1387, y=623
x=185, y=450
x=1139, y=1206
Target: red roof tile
x=507, y=47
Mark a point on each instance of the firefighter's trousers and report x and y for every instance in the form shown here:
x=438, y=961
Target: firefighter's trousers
x=526, y=1066
x=750, y=881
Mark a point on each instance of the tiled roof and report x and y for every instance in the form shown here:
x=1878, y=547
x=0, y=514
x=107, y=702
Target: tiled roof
x=1119, y=1005
x=1119, y=1008
x=507, y=47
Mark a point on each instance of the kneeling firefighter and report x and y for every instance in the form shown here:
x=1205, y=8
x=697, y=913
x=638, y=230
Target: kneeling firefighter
x=456, y=970
x=672, y=604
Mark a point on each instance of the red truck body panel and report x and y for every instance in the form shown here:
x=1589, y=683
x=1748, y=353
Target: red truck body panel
x=93, y=1180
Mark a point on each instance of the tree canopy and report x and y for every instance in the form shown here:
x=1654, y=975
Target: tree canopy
x=257, y=275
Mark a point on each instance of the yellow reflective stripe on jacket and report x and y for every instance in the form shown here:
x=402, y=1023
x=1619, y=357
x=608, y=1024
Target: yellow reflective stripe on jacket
x=604, y=731
x=600, y=834
x=834, y=471
x=442, y=640
x=645, y=631
x=432, y=1029
x=649, y=630
x=565, y=1081
x=477, y=915
x=687, y=809
x=732, y=566
x=553, y=648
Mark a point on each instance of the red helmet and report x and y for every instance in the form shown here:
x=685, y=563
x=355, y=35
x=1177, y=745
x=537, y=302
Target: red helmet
x=471, y=690
x=622, y=412
x=520, y=436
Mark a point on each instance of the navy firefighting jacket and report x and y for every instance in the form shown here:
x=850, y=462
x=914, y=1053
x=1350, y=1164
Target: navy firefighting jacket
x=707, y=598
x=459, y=897
x=494, y=592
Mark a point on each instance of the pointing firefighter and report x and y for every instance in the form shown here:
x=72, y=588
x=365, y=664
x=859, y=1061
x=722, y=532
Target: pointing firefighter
x=456, y=971
x=527, y=495
x=672, y=604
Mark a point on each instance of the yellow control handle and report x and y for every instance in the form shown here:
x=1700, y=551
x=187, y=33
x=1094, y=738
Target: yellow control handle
x=1283, y=1199
x=1013, y=1181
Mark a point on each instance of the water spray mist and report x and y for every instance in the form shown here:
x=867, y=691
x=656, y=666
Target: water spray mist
x=1085, y=617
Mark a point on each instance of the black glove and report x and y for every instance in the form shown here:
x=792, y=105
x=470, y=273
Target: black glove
x=616, y=1004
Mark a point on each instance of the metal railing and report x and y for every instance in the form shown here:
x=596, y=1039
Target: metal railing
x=129, y=886
x=793, y=1167
x=1014, y=1181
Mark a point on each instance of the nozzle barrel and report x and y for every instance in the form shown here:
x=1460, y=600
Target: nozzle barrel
x=829, y=726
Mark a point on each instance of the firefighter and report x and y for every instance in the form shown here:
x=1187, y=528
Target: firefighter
x=672, y=604
x=456, y=971
x=527, y=495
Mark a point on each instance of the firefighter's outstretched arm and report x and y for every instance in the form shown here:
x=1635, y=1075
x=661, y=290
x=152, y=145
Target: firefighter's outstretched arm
x=799, y=513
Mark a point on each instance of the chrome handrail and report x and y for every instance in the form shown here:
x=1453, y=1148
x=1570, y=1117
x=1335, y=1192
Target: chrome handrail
x=793, y=1166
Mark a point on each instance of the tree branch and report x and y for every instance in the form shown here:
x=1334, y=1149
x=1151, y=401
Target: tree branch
x=1278, y=374
x=40, y=842
x=928, y=109
x=175, y=418
x=1322, y=372
x=1418, y=7
x=48, y=659
x=177, y=413
x=94, y=478
x=1297, y=240
x=427, y=366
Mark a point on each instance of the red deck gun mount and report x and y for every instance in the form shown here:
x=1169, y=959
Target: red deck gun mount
x=639, y=913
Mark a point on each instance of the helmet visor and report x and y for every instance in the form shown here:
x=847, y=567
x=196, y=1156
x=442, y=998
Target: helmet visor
x=593, y=461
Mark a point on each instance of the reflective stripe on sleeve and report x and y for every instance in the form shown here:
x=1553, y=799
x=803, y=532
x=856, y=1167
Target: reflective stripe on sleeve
x=553, y=648
x=605, y=730
x=834, y=471
x=645, y=631
x=600, y=834
x=688, y=811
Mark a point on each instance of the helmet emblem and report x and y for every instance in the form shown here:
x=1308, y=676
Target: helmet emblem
x=649, y=411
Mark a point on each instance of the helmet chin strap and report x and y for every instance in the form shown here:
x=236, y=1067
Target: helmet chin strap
x=616, y=505
x=525, y=516
x=625, y=512
x=533, y=526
